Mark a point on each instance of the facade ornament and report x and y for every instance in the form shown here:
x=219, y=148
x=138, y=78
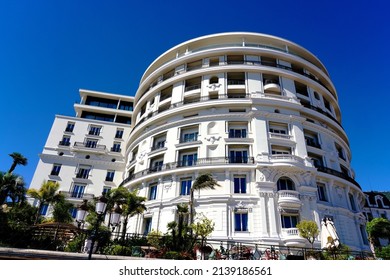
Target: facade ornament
x=214, y=87
x=212, y=139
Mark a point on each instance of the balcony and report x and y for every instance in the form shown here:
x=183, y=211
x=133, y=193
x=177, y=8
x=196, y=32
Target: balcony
x=280, y=136
x=77, y=195
x=284, y=158
x=89, y=147
x=291, y=237
x=115, y=150
x=271, y=86
x=289, y=199
x=184, y=164
x=337, y=174
x=64, y=143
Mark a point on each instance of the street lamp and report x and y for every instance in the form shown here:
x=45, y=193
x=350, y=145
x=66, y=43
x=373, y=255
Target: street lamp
x=115, y=216
x=81, y=213
x=100, y=209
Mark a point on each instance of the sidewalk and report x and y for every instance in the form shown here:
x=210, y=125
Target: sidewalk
x=33, y=254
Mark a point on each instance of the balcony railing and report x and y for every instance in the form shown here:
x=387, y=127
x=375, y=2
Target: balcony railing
x=279, y=135
x=64, y=143
x=187, y=163
x=89, y=145
x=290, y=232
x=289, y=158
x=116, y=150
x=338, y=174
x=319, y=110
x=78, y=195
x=171, y=74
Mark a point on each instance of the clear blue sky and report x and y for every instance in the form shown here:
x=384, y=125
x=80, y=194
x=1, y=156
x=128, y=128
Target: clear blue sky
x=51, y=49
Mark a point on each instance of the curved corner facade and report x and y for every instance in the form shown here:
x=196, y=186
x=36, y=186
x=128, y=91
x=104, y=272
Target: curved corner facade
x=260, y=114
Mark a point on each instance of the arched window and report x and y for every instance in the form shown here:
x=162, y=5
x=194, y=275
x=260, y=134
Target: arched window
x=379, y=203
x=285, y=183
x=214, y=80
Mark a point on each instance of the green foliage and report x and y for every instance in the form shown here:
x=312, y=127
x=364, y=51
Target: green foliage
x=341, y=253
x=308, y=230
x=117, y=250
x=61, y=212
x=11, y=185
x=154, y=238
x=17, y=159
x=75, y=245
x=203, y=227
x=378, y=228
x=383, y=253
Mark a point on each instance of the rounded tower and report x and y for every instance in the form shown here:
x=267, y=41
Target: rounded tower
x=259, y=113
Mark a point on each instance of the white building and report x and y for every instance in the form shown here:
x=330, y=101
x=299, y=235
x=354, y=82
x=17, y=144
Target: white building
x=258, y=112
x=86, y=153
x=261, y=114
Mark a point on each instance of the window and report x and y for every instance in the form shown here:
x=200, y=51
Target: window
x=69, y=127
x=159, y=142
x=83, y=172
x=147, y=225
x=90, y=143
x=116, y=147
x=110, y=176
x=94, y=130
x=363, y=234
x=43, y=209
x=188, y=159
x=77, y=191
x=285, y=183
x=152, y=192
x=189, y=137
x=240, y=221
x=278, y=128
x=327, y=105
x=280, y=150
x=344, y=170
x=106, y=189
x=352, y=202
x=156, y=164
x=312, y=139
x=301, y=89
x=239, y=182
x=119, y=134
x=321, y=192
x=73, y=212
x=65, y=141
x=317, y=160
x=127, y=106
x=55, y=170
x=340, y=151
x=185, y=186
x=237, y=133
x=316, y=95
x=289, y=221
x=238, y=156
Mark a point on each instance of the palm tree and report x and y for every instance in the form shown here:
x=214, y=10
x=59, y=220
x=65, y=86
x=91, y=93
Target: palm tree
x=17, y=193
x=48, y=193
x=202, y=182
x=18, y=159
x=10, y=185
x=133, y=205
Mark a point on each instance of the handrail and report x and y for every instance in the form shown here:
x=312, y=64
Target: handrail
x=338, y=174
x=188, y=163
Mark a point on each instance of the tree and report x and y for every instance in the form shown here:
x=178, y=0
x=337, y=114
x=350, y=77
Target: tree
x=202, y=182
x=377, y=228
x=308, y=230
x=132, y=205
x=10, y=185
x=203, y=228
x=18, y=159
x=47, y=194
x=61, y=211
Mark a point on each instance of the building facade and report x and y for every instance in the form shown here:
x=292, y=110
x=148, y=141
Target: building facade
x=258, y=112
x=85, y=154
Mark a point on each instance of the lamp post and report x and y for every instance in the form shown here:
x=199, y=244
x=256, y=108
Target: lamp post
x=100, y=209
x=116, y=213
